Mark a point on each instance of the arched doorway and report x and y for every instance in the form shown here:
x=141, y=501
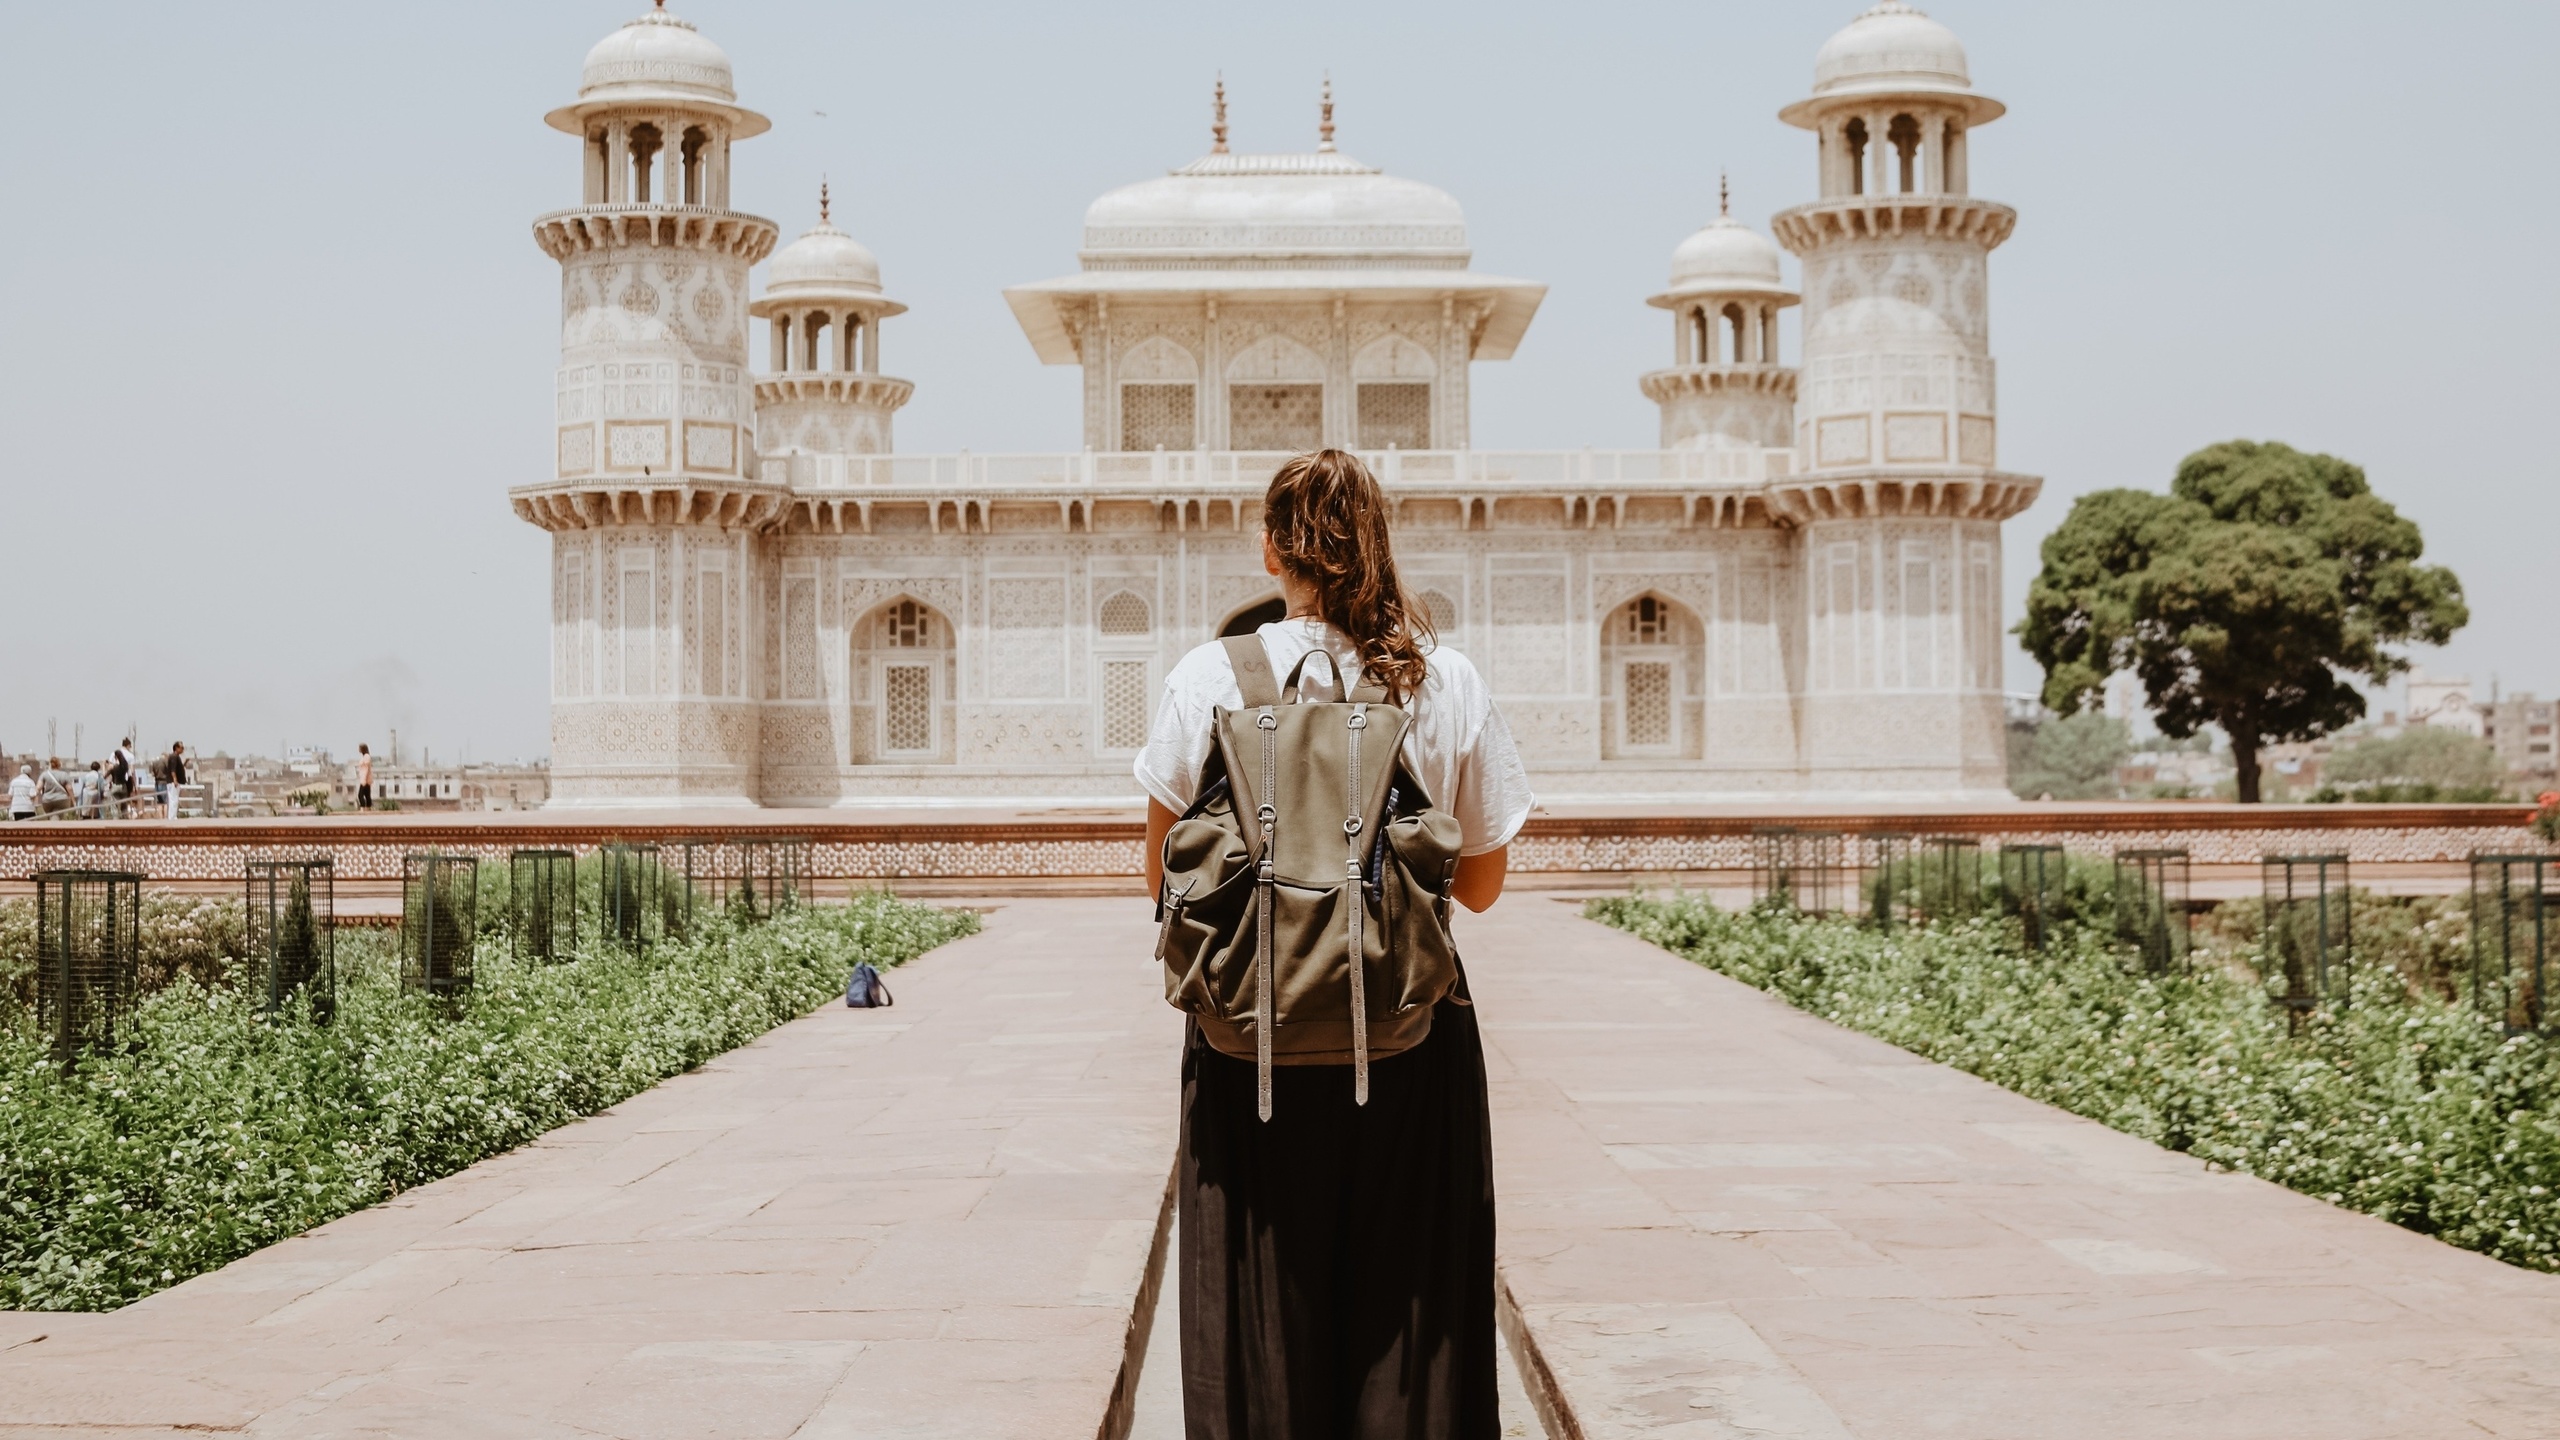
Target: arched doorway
x=1254, y=617
x=903, y=682
x=1651, y=672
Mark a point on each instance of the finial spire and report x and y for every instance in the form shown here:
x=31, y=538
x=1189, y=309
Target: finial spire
x=822, y=201
x=1324, y=121
x=1218, y=117
x=1724, y=194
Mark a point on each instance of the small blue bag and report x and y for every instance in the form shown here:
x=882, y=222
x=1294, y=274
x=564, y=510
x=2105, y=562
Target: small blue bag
x=864, y=988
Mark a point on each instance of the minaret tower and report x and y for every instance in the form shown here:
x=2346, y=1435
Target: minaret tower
x=1898, y=496
x=655, y=490
x=824, y=395
x=1725, y=386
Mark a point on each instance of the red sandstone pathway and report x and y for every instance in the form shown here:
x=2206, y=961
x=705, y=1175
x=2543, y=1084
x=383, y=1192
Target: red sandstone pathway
x=1721, y=1218
x=1724, y=1217
x=931, y=1220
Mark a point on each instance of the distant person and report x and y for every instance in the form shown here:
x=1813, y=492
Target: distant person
x=53, y=788
x=120, y=779
x=364, y=777
x=91, y=787
x=22, y=794
x=175, y=777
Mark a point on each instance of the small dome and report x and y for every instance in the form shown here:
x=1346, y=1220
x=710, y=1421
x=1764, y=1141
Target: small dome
x=1893, y=49
x=1727, y=254
x=1889, y=46
x=824, y=259
x=657, y=56
x=1278, y=205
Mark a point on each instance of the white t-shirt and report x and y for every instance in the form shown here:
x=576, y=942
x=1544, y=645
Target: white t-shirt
x=1457, y=745
x=22, y=794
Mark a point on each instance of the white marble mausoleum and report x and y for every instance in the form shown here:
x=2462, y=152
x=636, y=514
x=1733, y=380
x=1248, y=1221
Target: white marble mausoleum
x=756, y=599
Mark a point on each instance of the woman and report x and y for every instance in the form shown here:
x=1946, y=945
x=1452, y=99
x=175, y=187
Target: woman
x=1337, y=1260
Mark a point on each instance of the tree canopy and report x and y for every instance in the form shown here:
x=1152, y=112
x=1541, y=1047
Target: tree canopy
x=2070, y=758
x=2250, y=597
x=2440, y=759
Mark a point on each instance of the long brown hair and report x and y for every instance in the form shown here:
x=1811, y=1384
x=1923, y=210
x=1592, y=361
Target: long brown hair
x=1328, y=521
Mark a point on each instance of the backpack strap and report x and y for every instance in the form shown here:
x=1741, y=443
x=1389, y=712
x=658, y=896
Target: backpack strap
x=1364, y=693
x=1252, y=665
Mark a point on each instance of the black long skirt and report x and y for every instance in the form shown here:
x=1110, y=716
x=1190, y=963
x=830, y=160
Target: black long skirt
x=1337, y=1261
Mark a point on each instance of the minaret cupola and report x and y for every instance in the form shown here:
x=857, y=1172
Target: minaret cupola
x=1725, y=385
x=822, y=304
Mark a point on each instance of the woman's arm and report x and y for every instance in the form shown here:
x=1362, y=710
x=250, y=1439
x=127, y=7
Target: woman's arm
x=1479, y=881
x=1159, y=820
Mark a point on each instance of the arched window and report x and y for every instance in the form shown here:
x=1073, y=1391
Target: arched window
x=1904, y=132
x=1854, y=135
x=691, y=190
x=1702, y=338
x=813, y=337
x=646, y=142
x=1647, y=619
x=906, y=625
x=1736, y=330
x=1439, y=609
x=1123, y=613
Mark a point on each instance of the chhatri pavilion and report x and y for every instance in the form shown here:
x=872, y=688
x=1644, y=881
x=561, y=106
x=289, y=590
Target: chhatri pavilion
x=756, y=599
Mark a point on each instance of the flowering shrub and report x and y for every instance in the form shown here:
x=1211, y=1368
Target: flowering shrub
x=2546, y=816
x=2400, y=1104
x=198, y=937
x=214, y=1132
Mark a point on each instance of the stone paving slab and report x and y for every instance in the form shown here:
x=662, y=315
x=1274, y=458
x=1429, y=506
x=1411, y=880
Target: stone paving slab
x=924, y=1221
x=1722, y=1217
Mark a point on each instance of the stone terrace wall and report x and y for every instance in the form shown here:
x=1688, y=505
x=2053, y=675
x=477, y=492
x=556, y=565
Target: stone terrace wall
x=1040, y=850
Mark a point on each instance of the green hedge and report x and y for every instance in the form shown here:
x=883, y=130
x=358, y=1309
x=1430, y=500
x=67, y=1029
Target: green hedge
x=2399, y=1104
x=214, y=1132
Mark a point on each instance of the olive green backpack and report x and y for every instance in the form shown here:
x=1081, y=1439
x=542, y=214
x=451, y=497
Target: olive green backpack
x=1310, y=843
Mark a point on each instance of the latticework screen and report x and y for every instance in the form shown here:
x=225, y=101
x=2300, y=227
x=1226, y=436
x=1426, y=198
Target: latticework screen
x=1124, y=704
x=1648, y=703
x=1156, y=417
x=1122, y=613
x=1275, y=417
x=906, y=709
x=1397, y=415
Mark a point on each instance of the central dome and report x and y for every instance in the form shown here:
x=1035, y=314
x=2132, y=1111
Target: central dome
x=1254, y=211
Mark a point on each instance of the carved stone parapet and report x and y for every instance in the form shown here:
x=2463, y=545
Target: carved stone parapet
x=1807, y=228
x=838, y=387
x=1873, y=494
x=1775, y=381
x=591, y=504
x=684, y=227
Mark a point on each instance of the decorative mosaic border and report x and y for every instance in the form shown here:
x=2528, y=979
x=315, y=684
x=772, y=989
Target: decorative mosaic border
x=213, y=850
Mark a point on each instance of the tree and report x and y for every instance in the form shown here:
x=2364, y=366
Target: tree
x=2071, y=758
x=2250, y=597
x=2443, y=761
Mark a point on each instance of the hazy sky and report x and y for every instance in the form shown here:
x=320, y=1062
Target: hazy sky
x=278, y=338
